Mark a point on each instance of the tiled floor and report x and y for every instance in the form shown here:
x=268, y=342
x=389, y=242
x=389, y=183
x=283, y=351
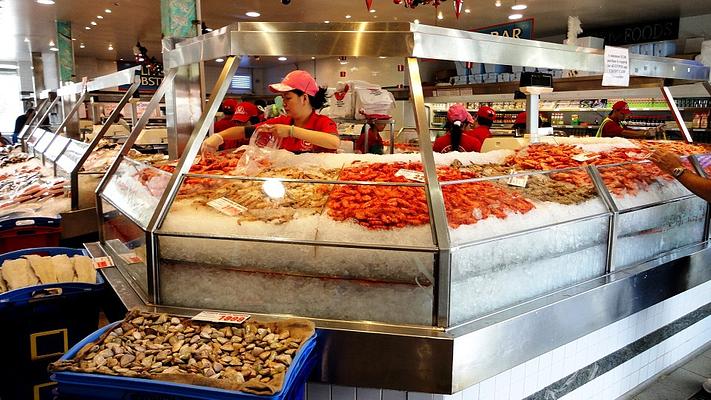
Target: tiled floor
x=682, y=384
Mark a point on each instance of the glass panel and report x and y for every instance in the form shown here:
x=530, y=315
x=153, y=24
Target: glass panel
x=44, y=142
x=128, y=243
x=705, y=162
x=38, y=133
x=56, y=148
x=136, y=188
x=71, y=155
x=270, y=278
x=87, y=189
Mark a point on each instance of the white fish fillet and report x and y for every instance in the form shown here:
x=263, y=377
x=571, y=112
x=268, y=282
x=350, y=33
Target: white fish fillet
x=43, y=268
x=3, y=287
x=63, y=268
x=18, y=274
x=84, y=269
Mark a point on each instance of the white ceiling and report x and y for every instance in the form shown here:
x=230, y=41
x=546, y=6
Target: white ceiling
x=132, y=20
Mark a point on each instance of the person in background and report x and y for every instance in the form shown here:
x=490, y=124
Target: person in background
x=261, y=106
x=302, y=128
x=520, y=122
x=375, y=123
x=485, y=117
x=671, y=164
x=611, y=126
x=245, y=114
x=20, y=122
x=228, y=109
x=457, y=137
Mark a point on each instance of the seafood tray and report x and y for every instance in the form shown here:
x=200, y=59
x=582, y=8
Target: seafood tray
x=169, y=381
x=46, y=320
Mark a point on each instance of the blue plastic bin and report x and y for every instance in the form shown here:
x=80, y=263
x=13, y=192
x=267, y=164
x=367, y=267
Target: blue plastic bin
x=40, y=324
x=79, y=386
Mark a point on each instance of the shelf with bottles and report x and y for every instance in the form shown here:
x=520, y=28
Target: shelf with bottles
x=594, y=105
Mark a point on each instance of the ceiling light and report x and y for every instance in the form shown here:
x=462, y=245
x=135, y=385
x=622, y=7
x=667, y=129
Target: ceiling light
x=466, y=10
x=348, y=17
x=381, y=57
x=440, y=15
x=8, y=66
x=372, y=10
x=282, y=58
x=81, y=45
x=519, y=7
x=74, y=38
x=108, y=11
x=417, y=21
x=27, y=40
x=47, y=2
x=111, y=47
x=93, y=23
x=515, y=16
x=219, y=60
x=498, y=3
x=252, y=14
x=100, y=16
x=88, y=28
x=208, y=29
x=313, y=58
x=327, y=22
x=120, y=59
x=52, y=46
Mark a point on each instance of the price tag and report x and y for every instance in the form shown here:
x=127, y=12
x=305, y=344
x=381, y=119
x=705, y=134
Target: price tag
x=102, y=262
x=518, y=181
x=131, y=258
x=582, y=157
x=227, y=318
x=411, y=175
x=227, y=206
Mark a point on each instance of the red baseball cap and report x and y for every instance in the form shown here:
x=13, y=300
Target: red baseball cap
x=298, y=79
x=486, y=112
x=621, y=106
x=521, y=118
x=457, y=112
x=244, y=111
x=228, y=106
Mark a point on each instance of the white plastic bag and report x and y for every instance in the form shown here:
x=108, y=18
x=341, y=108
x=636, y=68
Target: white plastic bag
x=259, y=153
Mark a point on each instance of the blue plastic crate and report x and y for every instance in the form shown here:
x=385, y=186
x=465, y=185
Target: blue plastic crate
x=78, y=386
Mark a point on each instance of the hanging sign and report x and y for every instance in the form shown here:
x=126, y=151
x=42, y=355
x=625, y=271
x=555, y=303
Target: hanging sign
x=150, y=79
x=638, y=33
x=522, y=29
x=617, y=67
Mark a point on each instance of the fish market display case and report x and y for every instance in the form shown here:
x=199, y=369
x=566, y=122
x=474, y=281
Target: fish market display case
x=426, y=272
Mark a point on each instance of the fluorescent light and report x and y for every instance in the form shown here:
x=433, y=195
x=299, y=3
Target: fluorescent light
x=372, y=10
x=47, y=2
x=519, y=7
x=93, y=23
x=100, y=16
x=282, y=58
x=8, y=66
x=515, y=16
x=440, y=15
x=108, y=11
x=219, y=60
x=348, y=17
x=252, y=14
x=466, y=10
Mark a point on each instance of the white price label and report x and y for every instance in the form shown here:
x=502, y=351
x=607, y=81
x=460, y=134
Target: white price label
x=582, y=157
x=411, y=175
x=131, y=258
x=519, y=181
x=227, y=318
x=103, y=262
x=227, y=206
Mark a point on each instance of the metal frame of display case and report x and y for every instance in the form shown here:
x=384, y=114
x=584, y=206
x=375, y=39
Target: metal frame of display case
x=29, y=133
x=35, y=119
x=362, y=353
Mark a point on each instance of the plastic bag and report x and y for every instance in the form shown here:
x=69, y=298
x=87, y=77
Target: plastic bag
x=258, y=155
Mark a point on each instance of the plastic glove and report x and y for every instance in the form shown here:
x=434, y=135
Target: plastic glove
x=211, y=144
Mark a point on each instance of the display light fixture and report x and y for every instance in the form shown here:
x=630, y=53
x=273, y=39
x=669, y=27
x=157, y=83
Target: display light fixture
x=372, y=10
x=467, y=11
x=326, y=22
x=348, y=17
x=88, y=28
x=498, y=3
x=219, y=60
x=440, y=16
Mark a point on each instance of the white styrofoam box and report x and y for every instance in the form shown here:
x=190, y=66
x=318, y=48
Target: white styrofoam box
x=646, y=49
x=591, y=41
x=529, y=69
x=490, y=78
x=516, y=68
x=664, y=49
x=477, y=78
x=504, y=77
x=497, y=68
x=461, y=67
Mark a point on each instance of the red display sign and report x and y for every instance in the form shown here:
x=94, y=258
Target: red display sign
x=343, y=74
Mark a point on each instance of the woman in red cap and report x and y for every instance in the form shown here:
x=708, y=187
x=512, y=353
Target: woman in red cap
x=457, y=138
x=228, y=109
x=302, y=129
x=485, y=117
x=611, y=125
x=376, y=123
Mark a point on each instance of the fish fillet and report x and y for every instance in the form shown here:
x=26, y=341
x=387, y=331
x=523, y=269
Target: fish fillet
x=43, y=268
x=3, y=287
x=63, y=268
x=18, y=274
x=84, y=269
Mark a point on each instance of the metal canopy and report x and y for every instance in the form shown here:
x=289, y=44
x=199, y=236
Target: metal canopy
x=123, y=77
x=403, y=39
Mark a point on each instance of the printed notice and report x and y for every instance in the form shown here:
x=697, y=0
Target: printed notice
x=518, y=181
x=411, y=175
x=617, y=67
x=227, y=206
x=228, y=318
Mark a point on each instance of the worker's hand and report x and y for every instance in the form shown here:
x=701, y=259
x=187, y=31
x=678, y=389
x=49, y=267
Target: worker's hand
x=650, y=133
x=278, y=130
x=211, y=144
x=665, y=160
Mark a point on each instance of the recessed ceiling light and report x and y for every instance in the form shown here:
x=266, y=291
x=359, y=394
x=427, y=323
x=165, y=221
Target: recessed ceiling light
x=466, y=10
x=381, y=57
x=111, y=47
x=93, y=23
x=498, y=3
x=219, y=60
x=88, y=28
x=47, y=2
x=108, y=11
x=440, y=15
x=252, y=14
x=120, y=59
x=281, y=58
x=52, y=46
x=313, y=58
x=519, y=7
x=515, y=16
x=27, y=40
x=348, y=17
x=100, y=16
x=81, y=45
x=326, y=22
x=372, y=10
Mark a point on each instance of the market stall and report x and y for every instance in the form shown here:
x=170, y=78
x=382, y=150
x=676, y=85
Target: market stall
x=451, y=267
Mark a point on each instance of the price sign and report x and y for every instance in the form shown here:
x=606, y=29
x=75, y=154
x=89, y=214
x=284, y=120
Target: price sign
x=411, y=175
x=582, y=157
x=102, y=262
x=227, y=318
x=518, y=181
x=131, y=258
x=227, y=206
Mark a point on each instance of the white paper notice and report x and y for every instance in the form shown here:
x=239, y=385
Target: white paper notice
x=617, y=67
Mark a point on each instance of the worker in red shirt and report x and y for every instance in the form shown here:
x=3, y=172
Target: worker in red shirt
x=302, y=129
x=245, y=114
x=485, y=117
x=611, y=126
x=457, y=137
x=228, y=109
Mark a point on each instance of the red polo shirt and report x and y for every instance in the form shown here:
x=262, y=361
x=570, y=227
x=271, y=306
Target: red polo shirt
x=611, y=128
x=443, y=144
x=224, y=123
x=316, y=122
x=481, y=132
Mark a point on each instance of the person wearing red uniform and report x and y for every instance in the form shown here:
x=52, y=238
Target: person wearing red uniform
x=457, y=137
x=485, y=117
x=302, y=129
x=375, y=123
x=228, y=109
x=611, y=126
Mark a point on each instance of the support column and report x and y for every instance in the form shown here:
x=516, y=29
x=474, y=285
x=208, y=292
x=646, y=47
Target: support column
x=65, y=65
x=177, y=17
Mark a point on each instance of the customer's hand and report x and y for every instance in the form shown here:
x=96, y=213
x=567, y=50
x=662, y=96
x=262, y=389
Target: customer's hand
x=665, y=160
